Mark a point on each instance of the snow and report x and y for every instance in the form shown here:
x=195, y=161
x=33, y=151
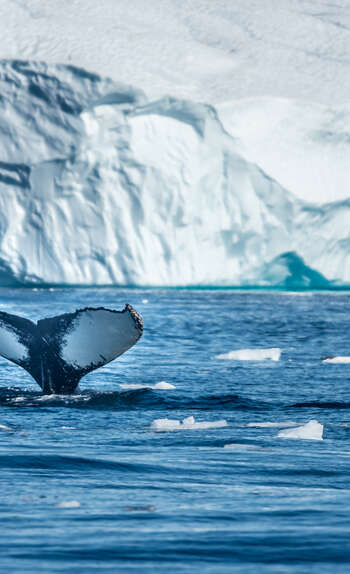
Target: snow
x=337, y=360
x=202, y=50
x=189, y=423
x=301, y=145
x=102, y=186
x=312, y=430
x=252, y=355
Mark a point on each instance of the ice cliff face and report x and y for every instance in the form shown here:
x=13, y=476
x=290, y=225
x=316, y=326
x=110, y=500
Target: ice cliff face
x=99, y=186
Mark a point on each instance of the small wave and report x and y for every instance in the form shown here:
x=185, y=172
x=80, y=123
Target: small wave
x=282, y=424
x=322, y=405
x=126, y=399
x=312, y=430
x=242, y=446
x=337, y=360
x=272, y=354
x=189, y=423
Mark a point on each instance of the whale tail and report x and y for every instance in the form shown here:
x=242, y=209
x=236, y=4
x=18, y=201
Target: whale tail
x=60, y=350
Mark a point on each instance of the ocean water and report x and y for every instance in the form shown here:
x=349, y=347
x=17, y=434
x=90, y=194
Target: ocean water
x=87, y=484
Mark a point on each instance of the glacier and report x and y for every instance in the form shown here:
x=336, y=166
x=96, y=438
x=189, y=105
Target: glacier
x=102, y=186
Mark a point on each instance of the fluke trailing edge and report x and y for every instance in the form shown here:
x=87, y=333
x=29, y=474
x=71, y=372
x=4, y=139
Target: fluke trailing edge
x=59, y=351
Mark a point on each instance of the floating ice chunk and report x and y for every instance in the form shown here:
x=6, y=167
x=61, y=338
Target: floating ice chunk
x=162, y=385
x=5, y=428
x=312, y=430
x=252, y=355
x=267, y=424
x=68, y=504
x=336, y=360
x=189, y=423
x=145, y=301
x=163, y=425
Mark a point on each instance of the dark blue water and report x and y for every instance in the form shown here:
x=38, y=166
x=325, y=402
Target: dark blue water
x=179, y=501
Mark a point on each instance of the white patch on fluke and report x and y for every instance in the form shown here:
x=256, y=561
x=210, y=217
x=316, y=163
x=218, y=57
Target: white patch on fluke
x=10, y=346
x=252, y=355
x=189, y=423
x=312, y=430
x=337, y=360
x=97, y=337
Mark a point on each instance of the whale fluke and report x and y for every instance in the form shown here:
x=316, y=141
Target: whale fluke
x=60, y=350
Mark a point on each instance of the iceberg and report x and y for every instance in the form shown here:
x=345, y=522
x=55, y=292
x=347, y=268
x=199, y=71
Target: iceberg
x=100, y=186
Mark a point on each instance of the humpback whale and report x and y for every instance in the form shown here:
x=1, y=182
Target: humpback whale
x=59, y=351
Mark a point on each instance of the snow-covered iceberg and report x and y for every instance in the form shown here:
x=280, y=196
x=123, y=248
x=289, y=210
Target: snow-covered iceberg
x=100, y=186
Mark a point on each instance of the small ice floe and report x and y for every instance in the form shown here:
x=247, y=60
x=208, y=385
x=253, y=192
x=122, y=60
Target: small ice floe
x=189, y=423
x=5, y=428
x=162, y=386
x=282, y=424
x=336, y=360
x=252, y=355
x=145, y=301
x=68, y=504
x=312, y=430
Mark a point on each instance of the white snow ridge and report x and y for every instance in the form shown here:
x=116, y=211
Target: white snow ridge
x=312, y=430
x=252, y=355
x=189, y=423
x=162, y=192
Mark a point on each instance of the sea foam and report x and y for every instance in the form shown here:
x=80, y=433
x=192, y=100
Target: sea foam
x=252, y=355
x=312, y=430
